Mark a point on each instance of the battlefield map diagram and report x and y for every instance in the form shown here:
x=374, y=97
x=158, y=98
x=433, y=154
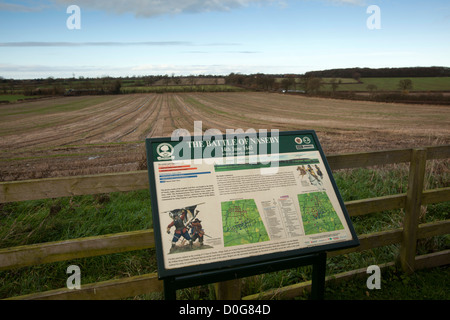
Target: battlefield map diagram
x=318, y=214
x=242, y=223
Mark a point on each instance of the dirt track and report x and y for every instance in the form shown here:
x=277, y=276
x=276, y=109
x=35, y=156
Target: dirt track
x=88, y=135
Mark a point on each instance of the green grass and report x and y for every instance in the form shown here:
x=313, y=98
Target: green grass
x=47, y=220
x=13, y=97
x=40, y=221
x=391, y=84
x=430, y=284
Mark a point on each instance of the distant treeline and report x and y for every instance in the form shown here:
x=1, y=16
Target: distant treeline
x=381, y=73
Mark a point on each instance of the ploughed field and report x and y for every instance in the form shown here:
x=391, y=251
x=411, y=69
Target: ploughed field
x=101, y=134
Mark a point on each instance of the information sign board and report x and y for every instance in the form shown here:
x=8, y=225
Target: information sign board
x=226, y=201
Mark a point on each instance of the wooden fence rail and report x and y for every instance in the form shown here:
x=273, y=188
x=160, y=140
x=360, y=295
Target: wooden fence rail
x=407, y=236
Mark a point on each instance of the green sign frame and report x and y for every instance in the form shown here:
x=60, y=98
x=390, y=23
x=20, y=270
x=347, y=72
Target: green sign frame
x=225, y=201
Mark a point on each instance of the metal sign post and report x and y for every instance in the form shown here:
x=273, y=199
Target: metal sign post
x=317, y=260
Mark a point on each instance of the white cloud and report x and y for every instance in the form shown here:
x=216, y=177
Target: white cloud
x=150, y=8
x=94, y=44
x=353, y=2
x=13, y=7
x=17, y=71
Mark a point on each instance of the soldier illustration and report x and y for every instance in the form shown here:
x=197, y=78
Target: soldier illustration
x=313, y=179
x=180, y=228
x=311, y=172
x=319, y=172
x=197, y=231
x=302, y=171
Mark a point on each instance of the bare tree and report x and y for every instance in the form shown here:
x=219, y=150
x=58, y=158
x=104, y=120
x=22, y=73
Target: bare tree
x=335, y=84
x=357, y=76
x=287, y=83
x=311, y=84
x=405, y=85
x=372, y=87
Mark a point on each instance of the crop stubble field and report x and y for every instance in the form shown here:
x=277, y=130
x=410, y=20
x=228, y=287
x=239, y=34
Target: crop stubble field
x=101, y=134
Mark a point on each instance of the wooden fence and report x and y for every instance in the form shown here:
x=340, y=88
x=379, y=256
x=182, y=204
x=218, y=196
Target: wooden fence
x=411, y=201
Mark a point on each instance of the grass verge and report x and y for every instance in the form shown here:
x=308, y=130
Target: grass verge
x=47, y=220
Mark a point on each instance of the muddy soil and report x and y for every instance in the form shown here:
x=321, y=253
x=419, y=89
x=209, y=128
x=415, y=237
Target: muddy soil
x=90, y=135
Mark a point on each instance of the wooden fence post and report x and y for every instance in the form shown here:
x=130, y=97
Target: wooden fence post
x=228, y=290
x=412, y=209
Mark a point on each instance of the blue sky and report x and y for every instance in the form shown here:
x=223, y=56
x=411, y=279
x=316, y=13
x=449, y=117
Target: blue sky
x=138, y=37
